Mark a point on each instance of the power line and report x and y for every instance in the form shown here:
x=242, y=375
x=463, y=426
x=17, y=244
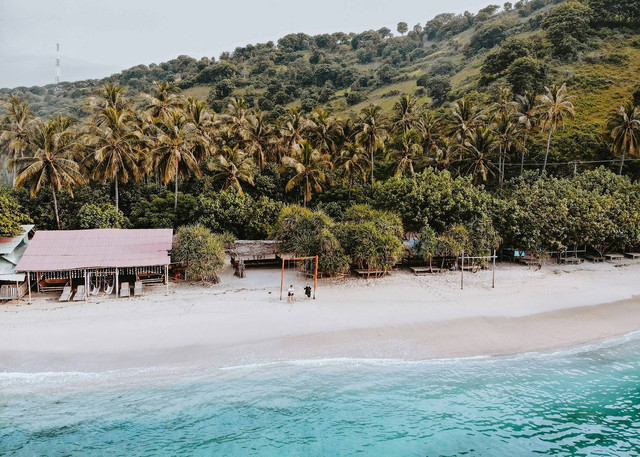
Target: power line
x=573, y=162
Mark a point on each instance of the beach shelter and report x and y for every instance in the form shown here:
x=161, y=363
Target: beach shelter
x=99, y=259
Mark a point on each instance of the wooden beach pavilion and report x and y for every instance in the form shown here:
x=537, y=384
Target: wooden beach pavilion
x=86, y=262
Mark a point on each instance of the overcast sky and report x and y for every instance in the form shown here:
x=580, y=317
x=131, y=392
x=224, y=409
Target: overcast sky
x=101, y=37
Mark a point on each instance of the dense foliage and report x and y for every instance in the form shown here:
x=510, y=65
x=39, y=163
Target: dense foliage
x=11, y=215
x=469, y=141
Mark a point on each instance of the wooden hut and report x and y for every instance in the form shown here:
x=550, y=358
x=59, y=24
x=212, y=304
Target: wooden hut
x=13, y=285
x=88, y=262
x=256, y=253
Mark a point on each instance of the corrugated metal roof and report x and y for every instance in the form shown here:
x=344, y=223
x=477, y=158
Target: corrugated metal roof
x=7, y=245
x=100, y=248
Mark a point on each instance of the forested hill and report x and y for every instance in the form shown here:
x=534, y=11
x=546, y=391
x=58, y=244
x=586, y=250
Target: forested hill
x=591, y=45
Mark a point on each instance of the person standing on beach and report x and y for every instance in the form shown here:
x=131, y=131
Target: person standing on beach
x=307, y=291
x=290, y=296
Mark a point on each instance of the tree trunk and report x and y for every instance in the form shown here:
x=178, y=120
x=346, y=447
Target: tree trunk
x=371, y=152
x=500, y=176
x=55, y=205
x=546, y=156
x=13, y=183
x=117, y=196
x=624, y=153
x=175, y=195
x=306, y=188
x=524, y=149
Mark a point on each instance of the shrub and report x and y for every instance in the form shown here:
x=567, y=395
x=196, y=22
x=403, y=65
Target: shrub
x=93, y=216
x=200, y=251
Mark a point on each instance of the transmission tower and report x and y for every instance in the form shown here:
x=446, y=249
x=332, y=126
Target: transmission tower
x=58, y=69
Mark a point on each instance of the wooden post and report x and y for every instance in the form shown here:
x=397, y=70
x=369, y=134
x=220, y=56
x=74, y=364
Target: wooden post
x=17, y=292
x=462, y=273
x=493, y=276
x=282, y=278
x=29, y=284
x=315, y=279
x=85, y=284
x=115, y=281
x=166, y=277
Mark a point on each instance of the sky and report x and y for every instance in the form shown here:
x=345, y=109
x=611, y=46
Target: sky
x=101, y=37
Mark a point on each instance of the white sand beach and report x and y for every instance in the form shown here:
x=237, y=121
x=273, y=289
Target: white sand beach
x=242, y=321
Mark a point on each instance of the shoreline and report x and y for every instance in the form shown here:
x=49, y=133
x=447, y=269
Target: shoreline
x=401, y=317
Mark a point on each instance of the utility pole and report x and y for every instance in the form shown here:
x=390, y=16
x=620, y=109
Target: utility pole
x=58, y=69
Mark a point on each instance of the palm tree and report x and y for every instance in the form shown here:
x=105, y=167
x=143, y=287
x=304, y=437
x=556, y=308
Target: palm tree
x=114, y=137
x=403, y=151
x=176, y=143
x=527, y=116
x=14, y=129
x=503, y=104
x=310, y=166
x=325, y=130
x=430, y=127
x=233, y=166
x=163, y=99
x=623, y=125
x=506, y=132
x=555, y=107
x=479, y=149
x=54, y=148
x=465, y=118
x=204, y=123
x=109, y=95
x=405, y=117
x=351, y=163
x=257, y=134
x=294, y=126
x=372, y=130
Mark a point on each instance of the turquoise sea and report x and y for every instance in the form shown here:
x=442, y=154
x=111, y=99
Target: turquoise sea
x=583, y=402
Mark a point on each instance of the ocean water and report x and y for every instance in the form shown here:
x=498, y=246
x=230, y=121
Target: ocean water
x=583, y=402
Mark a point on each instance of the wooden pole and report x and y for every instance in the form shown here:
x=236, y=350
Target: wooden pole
x=85, y=284
x=462, y=273
x=282, y=278
x=166, y=277
x=493, y=275
x=315, y=279
x=17, y=292
x=115, y=281
x=29, y=284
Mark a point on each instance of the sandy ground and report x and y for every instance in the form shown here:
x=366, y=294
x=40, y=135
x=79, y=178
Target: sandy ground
x=402, y=316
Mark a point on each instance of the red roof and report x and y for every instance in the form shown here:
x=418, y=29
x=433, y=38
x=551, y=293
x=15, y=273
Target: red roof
x=100, y=248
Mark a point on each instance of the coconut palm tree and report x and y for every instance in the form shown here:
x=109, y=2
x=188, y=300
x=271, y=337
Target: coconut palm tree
x=404, y=149
x=53, y=146
x=258, y=136
x=430, y=127
x=464, y=118
x=479, y=149
x=405, y=116
x=114, y=137
x=555, y=106
x=294, y=126
x=372, y=131
x=233, y=166
x=506, y=132
x=527, y=116
x=176, y=142
x=204, y=123
x=623, y=125
x=109, y=95
x=325, y=130
x=310, y=166
x=503, y=104
x=14, y=129
x=351, y=163
x=163, y=99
